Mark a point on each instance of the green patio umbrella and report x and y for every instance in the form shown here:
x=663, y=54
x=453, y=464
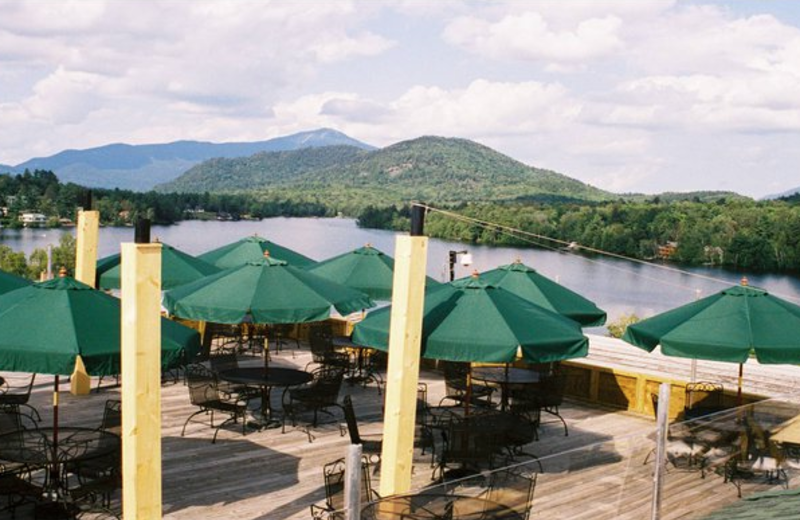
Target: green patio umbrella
x=11, y=282
x=177, y=268
x=726, y=326
x=477, y=321
x=263, y=291
x=365, y=269
x=528, y=284
x=46, y=326
x=252, y=249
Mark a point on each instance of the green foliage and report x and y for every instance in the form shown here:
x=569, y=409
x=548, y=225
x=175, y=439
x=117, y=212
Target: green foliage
x=13, y=261
x=738, y=234
x=433, y=169
x=64, y=254
x=617, y=327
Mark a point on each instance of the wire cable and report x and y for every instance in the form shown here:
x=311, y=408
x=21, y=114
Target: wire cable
x=572, y=247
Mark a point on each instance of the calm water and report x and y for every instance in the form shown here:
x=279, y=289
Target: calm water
x=617, y=286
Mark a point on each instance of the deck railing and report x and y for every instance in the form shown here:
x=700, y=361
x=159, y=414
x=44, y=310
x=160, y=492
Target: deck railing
x=709, y=464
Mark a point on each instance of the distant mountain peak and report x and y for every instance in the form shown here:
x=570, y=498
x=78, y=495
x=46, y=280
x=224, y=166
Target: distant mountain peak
x=141, y=167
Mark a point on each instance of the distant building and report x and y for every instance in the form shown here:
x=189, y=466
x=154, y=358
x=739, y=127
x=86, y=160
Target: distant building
x=714, y=255
x=33, y=219
x=666, y=251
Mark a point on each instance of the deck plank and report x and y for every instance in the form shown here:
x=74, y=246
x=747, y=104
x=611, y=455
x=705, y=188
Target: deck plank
x=270, y=475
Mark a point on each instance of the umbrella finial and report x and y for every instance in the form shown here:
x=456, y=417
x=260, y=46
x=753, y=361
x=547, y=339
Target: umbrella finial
x=745, y=282
x=368, y=245
x=518, y=260
x=266, y=253
x=156, y=240
x=475, y=274
x=62, y=273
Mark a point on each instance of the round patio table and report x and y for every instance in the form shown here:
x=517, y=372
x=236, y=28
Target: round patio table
x=437, y=507
x=38, y=449
x=266, y=378
x=504, y=377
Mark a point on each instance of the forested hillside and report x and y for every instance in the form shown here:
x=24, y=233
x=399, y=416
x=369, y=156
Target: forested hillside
x=434, y=169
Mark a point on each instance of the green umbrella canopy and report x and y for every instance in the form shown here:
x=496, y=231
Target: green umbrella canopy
x=725, y=326
x=265, y=291
x=44, y=327
x=10, y=282
x=177, y=268
x=528, y=284
x=365, y=269
x=476, y=321
x=252, y=249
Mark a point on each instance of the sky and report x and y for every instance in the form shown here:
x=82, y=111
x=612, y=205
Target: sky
x=629, y=96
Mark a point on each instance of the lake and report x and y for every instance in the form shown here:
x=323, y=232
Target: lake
x=617, y=286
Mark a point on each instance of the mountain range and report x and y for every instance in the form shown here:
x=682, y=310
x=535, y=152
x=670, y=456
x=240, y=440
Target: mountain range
x=141, y=167
x=427, y=168
x=328, y=162
x=787, y=193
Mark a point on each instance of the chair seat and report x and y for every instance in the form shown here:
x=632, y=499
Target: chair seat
x=701, y=411
x=225, y=406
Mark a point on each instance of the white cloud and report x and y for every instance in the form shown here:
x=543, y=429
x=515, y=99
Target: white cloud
x=528, y=36
x=649, y=95
x=64, y=97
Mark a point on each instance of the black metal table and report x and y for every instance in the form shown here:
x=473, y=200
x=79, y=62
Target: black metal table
x=437, y=507
x=505, y=376
x=39, y=448
x=266, y=378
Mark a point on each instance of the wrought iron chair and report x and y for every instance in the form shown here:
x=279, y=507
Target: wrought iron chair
x=455, y=380
x=702, y=398
x=319, y=396
x=204, y=393
x=98, y=478
x=369, y=447
x=281, y=335
x=681, y=444
x=334, y=477
x=469, y=443
x=16, y=484
x=513, y=488
x=323, y=352
x=222, y=361
x=18, y=396
x=550, y=396
x=525, y=404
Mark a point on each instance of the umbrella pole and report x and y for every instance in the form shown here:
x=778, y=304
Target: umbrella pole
x=55, y=410
x=739, y=391
x=54, y=469
x=469, y=391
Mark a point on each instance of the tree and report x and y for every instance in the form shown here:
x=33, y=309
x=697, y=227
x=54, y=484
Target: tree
x=64, y=254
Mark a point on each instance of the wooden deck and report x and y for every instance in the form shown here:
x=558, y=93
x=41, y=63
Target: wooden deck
x=600, y=473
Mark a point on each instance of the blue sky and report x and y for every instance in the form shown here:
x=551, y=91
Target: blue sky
x=630, y=96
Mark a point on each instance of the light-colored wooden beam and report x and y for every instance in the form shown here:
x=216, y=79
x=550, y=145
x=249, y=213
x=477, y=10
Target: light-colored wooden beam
x=141, y=380
x=85, y=269
x=402, y=375
x=86, y=247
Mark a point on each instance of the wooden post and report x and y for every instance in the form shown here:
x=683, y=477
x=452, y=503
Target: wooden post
x=141, y=380
x=86, y=254
x=85, y=269
x=402, y=375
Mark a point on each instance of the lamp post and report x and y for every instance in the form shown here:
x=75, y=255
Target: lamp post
x=466, y=260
